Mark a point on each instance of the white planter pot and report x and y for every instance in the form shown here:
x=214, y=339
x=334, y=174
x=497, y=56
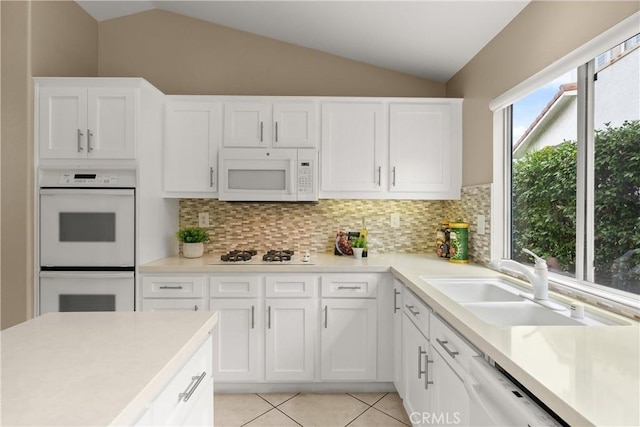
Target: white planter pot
x=192, y=250
x=357, y=252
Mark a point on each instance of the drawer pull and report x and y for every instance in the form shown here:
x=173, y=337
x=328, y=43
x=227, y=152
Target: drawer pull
x=411, y=310
x=451, y=353
x=171, y=287
x=395, y=300
x=198, y=379
x=420, y=353
x=349, y=287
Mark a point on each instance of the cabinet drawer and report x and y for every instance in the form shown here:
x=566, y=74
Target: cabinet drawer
x=235, y=286
x=293, y=286
x=350, y=285
x=417, y=311
x=172, y=287
x=166, y=304
x=195, y=377
x=451, y=346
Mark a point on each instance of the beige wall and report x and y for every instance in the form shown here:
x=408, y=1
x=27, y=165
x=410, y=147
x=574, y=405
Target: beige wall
x=181, y=55
x=542, y=33
x=38, y=39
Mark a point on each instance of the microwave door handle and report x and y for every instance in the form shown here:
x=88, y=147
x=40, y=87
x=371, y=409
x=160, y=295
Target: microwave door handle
x=293, y=176
x=85, y=275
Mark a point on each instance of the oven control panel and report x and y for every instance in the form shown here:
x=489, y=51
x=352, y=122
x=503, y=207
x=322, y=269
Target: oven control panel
x=88, y=178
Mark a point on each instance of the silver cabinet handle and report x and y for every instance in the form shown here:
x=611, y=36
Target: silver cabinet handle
x=187, y=395
x=411, y=310
x=89, y=135
x=393, y=172
x=395, y=301
x=261, y=131
x=349, y=287
x=451, y=353
x=426, y=371
x=171, y=287
x=325, y=316
x=379, y=176
x=253, y=317
x=420, y=353
x=195, y=307
x=276, y=131
x=211, y=177
x=80, y=135
x=269, y=317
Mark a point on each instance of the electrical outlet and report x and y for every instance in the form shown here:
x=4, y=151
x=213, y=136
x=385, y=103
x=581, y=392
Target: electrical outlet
x=480, y=222
x=395, y=220
x=203, y=219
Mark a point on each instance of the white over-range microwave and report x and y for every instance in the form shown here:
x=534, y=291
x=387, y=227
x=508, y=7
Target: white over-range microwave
x=269, y=175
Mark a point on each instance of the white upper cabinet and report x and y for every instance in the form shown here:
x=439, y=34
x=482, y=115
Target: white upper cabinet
x=81, y=122
x=353, y=149
x=425, y=148
x=192, y=138
x=265, y=124
x=394, y=149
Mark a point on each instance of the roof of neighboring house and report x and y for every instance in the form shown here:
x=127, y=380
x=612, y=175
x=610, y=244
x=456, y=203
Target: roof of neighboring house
x=567, y=87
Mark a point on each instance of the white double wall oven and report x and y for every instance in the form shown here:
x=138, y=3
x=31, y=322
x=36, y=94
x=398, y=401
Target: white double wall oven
x=87, y=240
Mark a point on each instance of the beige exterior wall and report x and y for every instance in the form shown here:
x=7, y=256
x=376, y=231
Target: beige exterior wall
x=181, y=55
x=38, y=39
x=542, y=33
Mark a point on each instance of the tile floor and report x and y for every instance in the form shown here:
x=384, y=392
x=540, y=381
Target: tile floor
x=309, y=410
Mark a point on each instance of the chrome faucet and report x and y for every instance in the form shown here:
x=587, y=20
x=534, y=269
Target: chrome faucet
x=539, y=278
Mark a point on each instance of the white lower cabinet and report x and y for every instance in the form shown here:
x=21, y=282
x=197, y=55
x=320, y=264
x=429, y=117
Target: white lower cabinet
x=398, y=379
x=173, y=293
x=187, y=400
x=416, y=368
x=289, y=339
x=238, y=339
x=349, y=333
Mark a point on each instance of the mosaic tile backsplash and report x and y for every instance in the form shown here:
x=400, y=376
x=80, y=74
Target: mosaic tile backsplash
x=313, y=226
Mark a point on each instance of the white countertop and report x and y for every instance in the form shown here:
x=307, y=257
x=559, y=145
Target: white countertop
x=587, y=375
x=101, y=368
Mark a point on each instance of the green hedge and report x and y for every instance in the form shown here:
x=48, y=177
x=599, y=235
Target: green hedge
x=544, y=205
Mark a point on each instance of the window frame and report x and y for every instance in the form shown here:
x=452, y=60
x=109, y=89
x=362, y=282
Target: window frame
x=583, y=59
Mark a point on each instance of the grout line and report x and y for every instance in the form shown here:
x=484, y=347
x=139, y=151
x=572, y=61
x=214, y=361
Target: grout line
x=285, y=401
x=272, y=405
x=287, y=415
x=359, y=415
x=389, y=415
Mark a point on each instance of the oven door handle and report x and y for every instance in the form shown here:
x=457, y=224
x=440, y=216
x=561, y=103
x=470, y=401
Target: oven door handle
x=86, y=275
x=87, y=191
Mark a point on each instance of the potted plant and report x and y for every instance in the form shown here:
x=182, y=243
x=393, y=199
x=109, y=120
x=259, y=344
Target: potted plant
x=192, y=239
x=357, y=245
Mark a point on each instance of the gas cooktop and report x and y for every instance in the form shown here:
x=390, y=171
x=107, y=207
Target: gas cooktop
x=270, y=257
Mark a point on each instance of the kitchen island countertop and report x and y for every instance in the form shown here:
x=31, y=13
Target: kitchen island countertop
x=588, y=375
x=87, y=369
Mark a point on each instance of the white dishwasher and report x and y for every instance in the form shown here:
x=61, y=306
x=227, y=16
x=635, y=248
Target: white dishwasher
x=493, y=400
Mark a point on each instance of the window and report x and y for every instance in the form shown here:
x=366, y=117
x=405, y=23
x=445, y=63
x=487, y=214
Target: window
x=573, y=152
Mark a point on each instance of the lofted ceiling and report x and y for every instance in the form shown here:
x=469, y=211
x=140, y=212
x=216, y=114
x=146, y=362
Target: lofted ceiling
x=429, y=39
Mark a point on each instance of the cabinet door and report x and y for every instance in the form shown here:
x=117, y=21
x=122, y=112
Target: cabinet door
x=353, y=148
x=247, y=124
x=450, y=398
x=62, y=122
x=397, y=337
x=421, y=148
x=348, y=339
x=417, y=370
x=111, y=123
x=192, y=137
x=238, y=340
x=294, y=125
x=290, y=337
